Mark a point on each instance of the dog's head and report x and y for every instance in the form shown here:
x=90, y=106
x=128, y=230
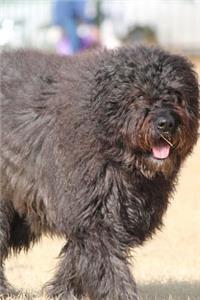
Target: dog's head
x=147, y=101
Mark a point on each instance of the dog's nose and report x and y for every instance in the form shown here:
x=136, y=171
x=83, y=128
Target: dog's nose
x=165, y=123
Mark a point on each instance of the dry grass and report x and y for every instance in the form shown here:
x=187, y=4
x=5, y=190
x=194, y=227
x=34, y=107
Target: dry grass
x=167, y=268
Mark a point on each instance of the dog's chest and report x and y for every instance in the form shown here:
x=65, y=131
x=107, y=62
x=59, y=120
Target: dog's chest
x=136, y=209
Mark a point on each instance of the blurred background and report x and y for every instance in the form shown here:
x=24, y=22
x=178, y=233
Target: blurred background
x=68, y=26
x=168, y=267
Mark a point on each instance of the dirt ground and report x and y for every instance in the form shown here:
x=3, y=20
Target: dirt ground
x=166, y=268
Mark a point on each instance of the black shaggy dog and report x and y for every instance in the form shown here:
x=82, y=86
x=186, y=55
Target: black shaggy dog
x=91, y=147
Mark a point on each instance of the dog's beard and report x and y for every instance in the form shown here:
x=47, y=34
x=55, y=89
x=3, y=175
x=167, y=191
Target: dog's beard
x=150, y=167
x=164, y=155
x=161, y=155
x=153, y=153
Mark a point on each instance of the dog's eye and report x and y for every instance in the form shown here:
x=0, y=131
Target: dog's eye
x=166, y=100
x=178, y=98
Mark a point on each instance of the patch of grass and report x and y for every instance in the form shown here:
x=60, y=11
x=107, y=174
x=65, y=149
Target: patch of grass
x=170, y=291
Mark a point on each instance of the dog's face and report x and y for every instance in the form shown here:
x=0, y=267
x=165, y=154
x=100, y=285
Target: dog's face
x=165, y=132
x=150, y=110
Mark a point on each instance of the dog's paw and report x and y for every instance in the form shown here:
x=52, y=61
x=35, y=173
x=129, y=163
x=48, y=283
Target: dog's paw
x=57, y=294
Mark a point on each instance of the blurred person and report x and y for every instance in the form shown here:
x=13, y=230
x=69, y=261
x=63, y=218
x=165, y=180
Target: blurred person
x=79, y=31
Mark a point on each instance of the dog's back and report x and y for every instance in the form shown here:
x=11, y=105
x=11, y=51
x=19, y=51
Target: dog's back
x=43, y=99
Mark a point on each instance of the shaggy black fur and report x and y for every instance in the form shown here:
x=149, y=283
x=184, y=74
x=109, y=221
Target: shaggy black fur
x=84, y=156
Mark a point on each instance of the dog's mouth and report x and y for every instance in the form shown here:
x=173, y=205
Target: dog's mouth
x=162, y=149
x=161, y=156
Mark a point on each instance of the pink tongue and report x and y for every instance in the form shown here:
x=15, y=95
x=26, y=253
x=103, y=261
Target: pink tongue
x=161, y=152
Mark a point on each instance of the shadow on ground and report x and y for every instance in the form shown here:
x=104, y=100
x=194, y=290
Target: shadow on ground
x=170, y=291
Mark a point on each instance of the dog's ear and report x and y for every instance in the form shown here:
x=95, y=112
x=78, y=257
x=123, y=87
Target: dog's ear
x=186, y=76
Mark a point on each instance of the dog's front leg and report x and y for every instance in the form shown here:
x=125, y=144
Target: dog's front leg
x=66, y=284
x=104, y=270
x=92, y=266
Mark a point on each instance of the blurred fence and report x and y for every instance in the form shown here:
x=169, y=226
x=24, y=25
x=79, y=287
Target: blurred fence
x=176, y=23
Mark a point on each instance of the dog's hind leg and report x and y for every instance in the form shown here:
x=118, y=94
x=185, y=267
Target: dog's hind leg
x=21, y=236
x=92, y=267
x=6, y=217
x=15, y=235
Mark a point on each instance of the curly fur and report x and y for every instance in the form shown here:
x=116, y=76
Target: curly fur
x=76, y=160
